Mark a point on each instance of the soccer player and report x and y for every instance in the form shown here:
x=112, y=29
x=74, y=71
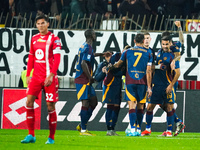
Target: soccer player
x=44, y=56
x=138, y=76
x=84, y=80
x=163, y=89
x=175, y=48
x=112, y=87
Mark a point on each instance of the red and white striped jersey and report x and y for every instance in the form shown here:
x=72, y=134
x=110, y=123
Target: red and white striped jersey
x=43, y=51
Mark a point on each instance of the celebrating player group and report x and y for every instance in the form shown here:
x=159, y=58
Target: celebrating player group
x=148, y=78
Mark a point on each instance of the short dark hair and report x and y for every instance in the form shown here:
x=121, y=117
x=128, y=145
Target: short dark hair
x=166, y=38
x=139, y=38
x=166, y=33
x=146, y=33
x=88, y=33
x=42, y=16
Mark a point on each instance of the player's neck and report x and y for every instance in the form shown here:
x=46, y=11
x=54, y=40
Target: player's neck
x=89, y=41
x=146, y=46
x=140, y=45
x=44, y=33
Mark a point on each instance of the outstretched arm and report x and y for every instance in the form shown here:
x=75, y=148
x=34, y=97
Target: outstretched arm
x=181, y=38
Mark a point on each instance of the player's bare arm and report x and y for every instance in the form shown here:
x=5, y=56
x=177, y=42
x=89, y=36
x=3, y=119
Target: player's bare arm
x=169, y=88
x=118, y=64
x=181, y=38
x=86, y=71
x=149, y=78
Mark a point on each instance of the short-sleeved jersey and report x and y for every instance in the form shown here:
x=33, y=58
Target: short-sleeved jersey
x=164, y=76
x=114, y=77
x=137, y=59
x=85, y=53
x=43, y=48
x=176, y=47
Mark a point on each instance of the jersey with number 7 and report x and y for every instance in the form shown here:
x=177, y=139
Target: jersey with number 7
x=137, y=58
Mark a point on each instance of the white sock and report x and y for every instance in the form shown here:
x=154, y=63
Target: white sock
x=148, y=129
x=83, y=130
x=169, y=131
x=132, y=130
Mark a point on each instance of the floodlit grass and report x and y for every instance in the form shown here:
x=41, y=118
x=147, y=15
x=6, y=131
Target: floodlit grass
x=70, y=140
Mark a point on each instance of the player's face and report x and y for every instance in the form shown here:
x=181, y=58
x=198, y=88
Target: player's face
x=42, y=26
x=165, y=45
x=94, y=36
x=147, y=40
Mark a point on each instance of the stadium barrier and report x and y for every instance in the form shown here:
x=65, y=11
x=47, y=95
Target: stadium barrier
x=13, y=113
x=14, y=48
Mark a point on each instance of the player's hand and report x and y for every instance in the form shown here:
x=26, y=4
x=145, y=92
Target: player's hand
x=149, y=92
x=28, y=80
x=172, y=65
x=177, y=23
x=107, y=54
x=48, y=80
x=91, y=80
x=169, y=89
x=104, y=70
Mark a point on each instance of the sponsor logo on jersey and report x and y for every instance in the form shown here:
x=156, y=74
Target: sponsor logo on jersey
x=57, y=42
x=39, y=54
x=41, y=40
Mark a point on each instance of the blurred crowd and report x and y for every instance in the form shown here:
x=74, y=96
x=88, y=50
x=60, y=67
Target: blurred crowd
x=102, y=9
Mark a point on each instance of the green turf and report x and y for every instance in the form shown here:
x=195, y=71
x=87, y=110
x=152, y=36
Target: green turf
x=10, y=139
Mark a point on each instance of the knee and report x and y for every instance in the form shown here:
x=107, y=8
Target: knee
x=50, y=106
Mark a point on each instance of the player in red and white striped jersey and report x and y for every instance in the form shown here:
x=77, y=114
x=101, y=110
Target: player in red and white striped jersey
x=44, y=57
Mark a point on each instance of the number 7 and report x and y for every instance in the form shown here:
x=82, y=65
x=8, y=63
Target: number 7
x=139, y=55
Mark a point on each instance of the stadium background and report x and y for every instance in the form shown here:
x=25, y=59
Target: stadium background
x=18, y=29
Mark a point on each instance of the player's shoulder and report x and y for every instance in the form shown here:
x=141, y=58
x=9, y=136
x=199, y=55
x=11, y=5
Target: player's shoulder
x=35, y=35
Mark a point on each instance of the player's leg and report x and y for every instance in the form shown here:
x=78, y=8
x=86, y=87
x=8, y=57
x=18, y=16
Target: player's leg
x=140, y=114
x=30, y=120
x=51, y=93
x=170, y=119
x=115, y=114
x=108, y=116
x=149, y=118
x=33, y=90
x=132, y=117
x=116, y=100
x=140, y=105
x=52, y=121
x=130, y=96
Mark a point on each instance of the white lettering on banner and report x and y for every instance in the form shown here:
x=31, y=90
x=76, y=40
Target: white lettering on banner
x=59, y=106
x=12, y=57
x=74, y=115
x=13, y=115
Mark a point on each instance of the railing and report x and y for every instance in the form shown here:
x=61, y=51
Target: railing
x=81, y=22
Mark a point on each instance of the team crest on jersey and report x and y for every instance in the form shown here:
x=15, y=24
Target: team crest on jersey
x=57, y=42
x=39, y=54
x=89, y=56
x=165, y=58
x=41, y=40
x=177, y=47
x=136, y=75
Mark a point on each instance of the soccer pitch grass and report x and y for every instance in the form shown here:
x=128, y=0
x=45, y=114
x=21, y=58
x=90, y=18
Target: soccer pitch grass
x=68, y=139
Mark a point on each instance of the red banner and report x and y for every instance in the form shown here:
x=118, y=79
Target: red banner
x=14, y=111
